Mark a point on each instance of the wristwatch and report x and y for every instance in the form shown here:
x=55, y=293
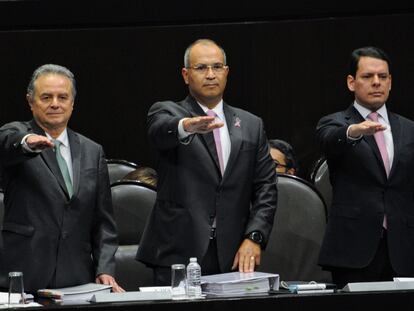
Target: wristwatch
x=256, y=237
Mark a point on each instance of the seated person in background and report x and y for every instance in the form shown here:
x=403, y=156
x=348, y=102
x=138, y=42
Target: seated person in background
x=283, y=155
x=144, y=174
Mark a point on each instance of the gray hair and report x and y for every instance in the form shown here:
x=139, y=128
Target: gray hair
x=51, y=69
x=204, y=42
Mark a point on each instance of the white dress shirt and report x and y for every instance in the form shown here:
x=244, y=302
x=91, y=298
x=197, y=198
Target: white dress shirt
x=224, y=131
x=383, y=119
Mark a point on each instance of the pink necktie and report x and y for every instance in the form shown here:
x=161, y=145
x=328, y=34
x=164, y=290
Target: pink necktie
x=380, y=139
x=217, y=140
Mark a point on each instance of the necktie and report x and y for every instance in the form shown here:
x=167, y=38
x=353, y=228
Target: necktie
x=380, y=139
x=63, y=167
x=217, y=140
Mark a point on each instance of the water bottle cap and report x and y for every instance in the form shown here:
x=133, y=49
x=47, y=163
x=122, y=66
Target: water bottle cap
x=193, y=259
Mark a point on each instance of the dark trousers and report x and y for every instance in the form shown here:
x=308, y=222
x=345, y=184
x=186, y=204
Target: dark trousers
x=209, y=265
x=379, y=269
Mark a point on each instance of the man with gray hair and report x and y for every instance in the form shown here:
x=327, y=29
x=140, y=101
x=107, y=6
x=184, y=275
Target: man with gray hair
x=58, y=224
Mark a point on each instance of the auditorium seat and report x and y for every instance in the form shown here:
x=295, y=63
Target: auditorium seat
x=118, y=168
x=130, y=273
x=294, y=244
x=132, y=202
x=320, y=178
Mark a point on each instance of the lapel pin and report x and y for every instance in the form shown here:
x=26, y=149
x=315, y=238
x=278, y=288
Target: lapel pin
x=237, y=122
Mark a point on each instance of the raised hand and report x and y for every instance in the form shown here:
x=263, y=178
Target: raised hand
x=201, y=125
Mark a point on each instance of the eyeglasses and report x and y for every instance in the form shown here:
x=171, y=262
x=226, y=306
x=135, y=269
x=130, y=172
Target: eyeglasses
x=203, y=68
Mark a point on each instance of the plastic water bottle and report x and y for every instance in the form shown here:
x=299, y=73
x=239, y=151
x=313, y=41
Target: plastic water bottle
x=193, y=279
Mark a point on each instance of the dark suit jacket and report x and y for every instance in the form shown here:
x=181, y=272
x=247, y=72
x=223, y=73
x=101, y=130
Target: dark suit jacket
x=54, y=240
x=362, y=194
x=191, y=189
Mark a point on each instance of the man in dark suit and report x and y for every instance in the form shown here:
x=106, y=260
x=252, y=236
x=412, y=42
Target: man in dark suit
x=217, y=184
x=58, y=225
x=370, y=153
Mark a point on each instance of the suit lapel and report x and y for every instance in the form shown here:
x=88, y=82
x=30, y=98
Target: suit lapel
x=397, y=139
x=75, y=151
x=234, y=125
x=49, y=157
x=207, y=139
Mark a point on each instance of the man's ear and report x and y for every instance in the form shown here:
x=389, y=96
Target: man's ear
x=350, y=81
x=184, y=73
x=390, y=83
x=29, y=100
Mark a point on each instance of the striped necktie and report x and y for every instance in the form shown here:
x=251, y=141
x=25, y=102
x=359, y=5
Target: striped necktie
x=63, y=167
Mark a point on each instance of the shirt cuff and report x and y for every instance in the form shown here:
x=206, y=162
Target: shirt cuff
x=350, y=137
x=183, y=136
x=25, y=147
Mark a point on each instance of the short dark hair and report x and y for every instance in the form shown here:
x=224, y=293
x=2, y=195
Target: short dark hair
x=285, y=148
x=143, y=174
x=368, y=51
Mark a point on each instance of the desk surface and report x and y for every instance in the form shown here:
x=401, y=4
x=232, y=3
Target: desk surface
x=389, y=301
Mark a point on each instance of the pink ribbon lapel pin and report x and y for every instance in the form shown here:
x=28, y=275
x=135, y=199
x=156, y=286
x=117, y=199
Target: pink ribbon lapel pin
x=237, y=122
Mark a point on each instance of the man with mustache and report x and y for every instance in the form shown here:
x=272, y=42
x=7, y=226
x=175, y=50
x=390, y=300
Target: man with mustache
x=217, y=191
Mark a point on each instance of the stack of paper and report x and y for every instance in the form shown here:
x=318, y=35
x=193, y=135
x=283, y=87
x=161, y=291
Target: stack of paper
x=81, y=292
x=14, y=298
x=15, y=301
x=132, y=296
x=239, y=284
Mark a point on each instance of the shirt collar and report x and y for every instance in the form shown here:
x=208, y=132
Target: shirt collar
x=218, y=109
x=365, y=111
x=63, y=138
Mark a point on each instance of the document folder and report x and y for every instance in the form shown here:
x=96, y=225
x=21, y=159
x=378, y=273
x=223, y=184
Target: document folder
x=131, y=296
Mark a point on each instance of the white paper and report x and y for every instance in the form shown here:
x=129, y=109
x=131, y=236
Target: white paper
x=301, y=287
x=237, y=283
x=84, y=288
x=82, y=292
x=131, y=296
x=26, y=305
x=4, y=298
x=236, y=277
x=155, y=289
x=15, y=298
x=316, y=291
